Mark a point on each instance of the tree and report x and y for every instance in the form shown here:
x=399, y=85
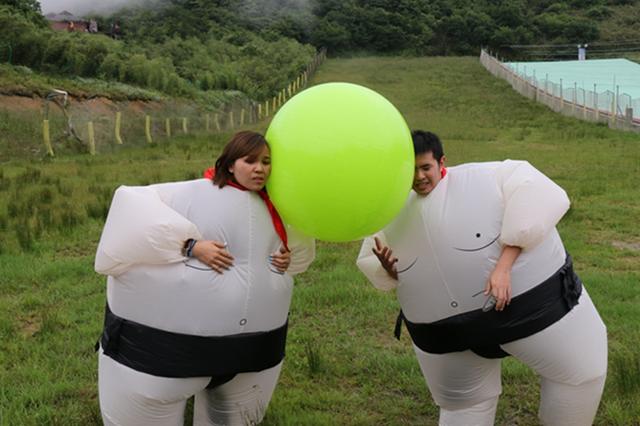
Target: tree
x=28, y=8
x=331, y=34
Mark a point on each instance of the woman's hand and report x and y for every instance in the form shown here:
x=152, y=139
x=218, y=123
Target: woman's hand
x=213, y=254
x=385, y=256
x=281, y=259
x=499, y=283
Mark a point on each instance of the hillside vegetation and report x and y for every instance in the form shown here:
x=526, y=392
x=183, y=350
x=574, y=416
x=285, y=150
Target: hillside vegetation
x=191, y=48
x=219, y=56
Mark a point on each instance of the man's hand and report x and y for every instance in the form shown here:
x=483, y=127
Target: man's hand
x=281, y=259
x=499, y=283
x=384, y=255
x=499, y=286
x=214, y=254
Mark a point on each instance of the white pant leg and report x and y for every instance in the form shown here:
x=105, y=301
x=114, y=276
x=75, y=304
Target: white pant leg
x=571, y=357
x=131, y=398
x=481, y=414
x=562, y=404
x=241, y=401
x=463, y=384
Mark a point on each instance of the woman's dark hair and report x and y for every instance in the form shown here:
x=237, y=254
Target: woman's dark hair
x=424, y=142
x=241, y=144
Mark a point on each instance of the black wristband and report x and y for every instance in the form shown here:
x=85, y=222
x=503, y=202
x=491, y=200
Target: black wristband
x=187, y=248
x=192, y=244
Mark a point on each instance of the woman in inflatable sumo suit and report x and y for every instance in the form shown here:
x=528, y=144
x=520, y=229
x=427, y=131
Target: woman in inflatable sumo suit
x=481, y=273
x=198, y=290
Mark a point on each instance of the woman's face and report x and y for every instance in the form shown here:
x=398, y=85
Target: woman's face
x=253, y=170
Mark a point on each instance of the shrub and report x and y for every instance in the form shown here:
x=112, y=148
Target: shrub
x=112, y=66
x=70, y=217
x=24, y=234
x=21, y=35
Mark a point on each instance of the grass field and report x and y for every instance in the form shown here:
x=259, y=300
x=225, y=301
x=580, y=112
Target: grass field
x=343, y=365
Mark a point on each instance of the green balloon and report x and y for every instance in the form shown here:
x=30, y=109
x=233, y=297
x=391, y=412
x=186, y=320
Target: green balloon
x=342, y=161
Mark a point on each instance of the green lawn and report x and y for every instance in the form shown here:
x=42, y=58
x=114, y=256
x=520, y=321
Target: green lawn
x=343, y=365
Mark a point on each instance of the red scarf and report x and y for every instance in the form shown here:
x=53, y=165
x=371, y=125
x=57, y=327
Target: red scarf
x=443, y=172
x=275, y=217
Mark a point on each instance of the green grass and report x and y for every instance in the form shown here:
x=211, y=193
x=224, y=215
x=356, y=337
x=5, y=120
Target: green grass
x=343, y=365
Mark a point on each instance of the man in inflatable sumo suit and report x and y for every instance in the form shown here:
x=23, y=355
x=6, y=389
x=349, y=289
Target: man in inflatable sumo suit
x=197, y=295
x=481, y=273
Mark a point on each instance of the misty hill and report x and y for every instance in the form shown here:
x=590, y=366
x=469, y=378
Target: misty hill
x=415, y=27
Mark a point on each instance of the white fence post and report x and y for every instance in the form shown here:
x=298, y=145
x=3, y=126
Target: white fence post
x=595, y=102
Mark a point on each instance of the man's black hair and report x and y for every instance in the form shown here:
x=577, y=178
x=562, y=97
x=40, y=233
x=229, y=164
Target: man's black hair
x=424, y=142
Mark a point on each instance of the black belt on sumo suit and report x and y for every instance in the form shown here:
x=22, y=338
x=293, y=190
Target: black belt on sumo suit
x=168, y=354
x=484, y=332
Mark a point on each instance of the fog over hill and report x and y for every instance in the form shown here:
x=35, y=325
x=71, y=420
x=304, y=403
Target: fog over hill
x=255, y=9
x=83, y=7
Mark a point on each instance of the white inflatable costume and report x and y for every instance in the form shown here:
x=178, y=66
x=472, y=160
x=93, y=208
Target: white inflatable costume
x=447, y=245
x=152, y=284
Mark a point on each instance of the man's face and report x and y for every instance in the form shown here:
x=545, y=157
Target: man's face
x=427, y=173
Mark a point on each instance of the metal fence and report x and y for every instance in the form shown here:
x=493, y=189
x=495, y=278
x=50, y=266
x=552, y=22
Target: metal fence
x=607, y=106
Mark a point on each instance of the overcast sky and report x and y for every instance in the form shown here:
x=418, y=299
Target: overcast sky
x=80, y=7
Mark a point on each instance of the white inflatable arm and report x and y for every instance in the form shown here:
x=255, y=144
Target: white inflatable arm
x=370, y=266
x=141, y=228
x=303, y=251
x=534, y=204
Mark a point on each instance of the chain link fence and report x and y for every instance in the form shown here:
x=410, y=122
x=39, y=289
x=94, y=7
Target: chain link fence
x=96, y=125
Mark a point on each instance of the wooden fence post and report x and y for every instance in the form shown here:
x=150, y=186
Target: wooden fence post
x=147, y=128
x=118, y=125
x=167, y=126
x=92, y=138
x=185, y=129
x=47, y=137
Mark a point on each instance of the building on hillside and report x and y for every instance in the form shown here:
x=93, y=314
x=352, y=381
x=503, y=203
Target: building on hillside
x=66, y=21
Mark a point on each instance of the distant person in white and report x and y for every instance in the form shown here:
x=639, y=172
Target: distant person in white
x=582, y=52
x=481, y=273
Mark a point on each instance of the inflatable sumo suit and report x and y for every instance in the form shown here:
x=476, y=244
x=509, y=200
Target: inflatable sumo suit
x=447, y=245
x=174, y=327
